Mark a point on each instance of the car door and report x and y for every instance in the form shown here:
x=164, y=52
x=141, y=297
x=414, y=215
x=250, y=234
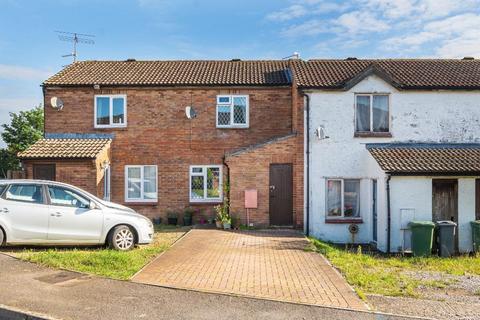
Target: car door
x=71, y=220
x=24, y=212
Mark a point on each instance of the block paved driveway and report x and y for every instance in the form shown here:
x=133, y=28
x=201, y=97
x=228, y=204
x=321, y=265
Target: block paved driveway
x=260, y=264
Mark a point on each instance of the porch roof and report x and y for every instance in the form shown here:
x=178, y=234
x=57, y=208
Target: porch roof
x=65, y=149
x=427, y=158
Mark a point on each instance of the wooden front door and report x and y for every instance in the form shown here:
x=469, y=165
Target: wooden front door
x=281, y=200
x=44, y=172
x=445, y=201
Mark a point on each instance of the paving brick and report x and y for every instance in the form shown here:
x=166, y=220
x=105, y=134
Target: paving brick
x=263, y=264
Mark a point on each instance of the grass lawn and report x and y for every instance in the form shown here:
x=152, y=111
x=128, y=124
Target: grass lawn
x=392, y=276
x=102, y=261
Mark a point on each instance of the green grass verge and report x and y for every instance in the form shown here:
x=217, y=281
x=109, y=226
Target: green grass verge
x=102, y=261
x=385, y=275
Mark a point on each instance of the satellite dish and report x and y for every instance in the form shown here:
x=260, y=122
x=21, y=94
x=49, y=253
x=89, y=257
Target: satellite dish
x=190, y=112
x=320, y=133
x=56, y=103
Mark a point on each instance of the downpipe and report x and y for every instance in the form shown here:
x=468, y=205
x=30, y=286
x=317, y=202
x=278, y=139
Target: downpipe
x=307, y=169
x=389, y=214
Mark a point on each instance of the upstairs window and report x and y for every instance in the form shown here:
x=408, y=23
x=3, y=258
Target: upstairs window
x=110, y=111
x=372, y=113
x=232, y=111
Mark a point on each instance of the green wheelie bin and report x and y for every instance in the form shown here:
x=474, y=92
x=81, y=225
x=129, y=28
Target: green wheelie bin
x=422, y=237
x=476, y=235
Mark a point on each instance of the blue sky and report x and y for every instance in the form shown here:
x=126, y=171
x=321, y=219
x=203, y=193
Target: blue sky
x=214, y=29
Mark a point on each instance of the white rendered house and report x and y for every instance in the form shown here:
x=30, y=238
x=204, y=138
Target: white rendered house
x=391, y=141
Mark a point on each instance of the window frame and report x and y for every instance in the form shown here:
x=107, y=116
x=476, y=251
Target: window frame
x=371, y=113
x=342, y=196
x=142, y=195
x=232, y=117
x=111, y=124
x=204, y=175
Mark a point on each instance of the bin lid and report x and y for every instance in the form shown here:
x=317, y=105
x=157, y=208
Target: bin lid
x=477, y=222
x=421, y=224
x=446, y=223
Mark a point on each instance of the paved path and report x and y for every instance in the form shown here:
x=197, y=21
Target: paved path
x=67, y=295
x=269, y=264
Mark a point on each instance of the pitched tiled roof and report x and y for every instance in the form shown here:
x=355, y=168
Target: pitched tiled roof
x=404, y=73
x=65, y=148
x=172, y=73
x=426, y=158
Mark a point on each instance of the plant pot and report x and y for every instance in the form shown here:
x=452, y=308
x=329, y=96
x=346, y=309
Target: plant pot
x=173, y=221
x=187, y=221
x=218, y=224
x=227, y=226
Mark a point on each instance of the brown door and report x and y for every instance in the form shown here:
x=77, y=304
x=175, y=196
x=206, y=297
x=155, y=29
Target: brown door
x=281, y=201
x=445, y=201
x=44, y=172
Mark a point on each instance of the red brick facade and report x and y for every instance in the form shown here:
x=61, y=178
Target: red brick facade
x=158, y=133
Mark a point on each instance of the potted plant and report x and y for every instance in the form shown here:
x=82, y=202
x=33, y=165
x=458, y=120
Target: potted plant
x=172, y=217
x=227, y=222
x=187, y=216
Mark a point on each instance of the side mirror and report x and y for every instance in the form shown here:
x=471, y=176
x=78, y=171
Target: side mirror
x=92, y=205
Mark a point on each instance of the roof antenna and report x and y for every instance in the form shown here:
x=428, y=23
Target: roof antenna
x=294, y=55
x=75, y=38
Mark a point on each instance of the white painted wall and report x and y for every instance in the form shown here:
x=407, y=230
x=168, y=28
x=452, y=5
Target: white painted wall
x=418, y=116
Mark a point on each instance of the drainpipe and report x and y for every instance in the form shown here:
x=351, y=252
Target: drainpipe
x=307, y=169
x=389, y=214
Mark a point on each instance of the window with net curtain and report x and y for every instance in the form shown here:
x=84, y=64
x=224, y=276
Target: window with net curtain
x=141, y=183
x=372, y=113
x=232, y=111
x=343, y=198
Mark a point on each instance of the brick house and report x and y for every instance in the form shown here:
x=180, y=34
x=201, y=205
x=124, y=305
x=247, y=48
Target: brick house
x=122, y=134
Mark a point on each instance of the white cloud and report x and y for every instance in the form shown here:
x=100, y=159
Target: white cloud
x=292, y=12
x=13, y=72
x=357, y=22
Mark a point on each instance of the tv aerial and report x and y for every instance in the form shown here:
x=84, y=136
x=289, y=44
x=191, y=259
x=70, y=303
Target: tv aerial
x=76, y=38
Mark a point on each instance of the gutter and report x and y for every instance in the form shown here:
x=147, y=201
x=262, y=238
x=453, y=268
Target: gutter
x=307, y=164
x=389, y=214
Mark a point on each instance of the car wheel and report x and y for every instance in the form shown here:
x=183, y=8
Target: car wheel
x=122, y=238
x=2, y=237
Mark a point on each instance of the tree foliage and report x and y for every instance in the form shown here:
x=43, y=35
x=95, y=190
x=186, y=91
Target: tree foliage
x=24, y=129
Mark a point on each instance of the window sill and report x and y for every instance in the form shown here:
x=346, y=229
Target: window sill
x=206, y=201
x=343, y=220
x=110, y=127
x=232, y=127
x=141, y=203
x=372, y=135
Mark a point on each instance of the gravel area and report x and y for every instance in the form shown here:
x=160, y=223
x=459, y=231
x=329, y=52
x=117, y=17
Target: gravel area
x=457, y=297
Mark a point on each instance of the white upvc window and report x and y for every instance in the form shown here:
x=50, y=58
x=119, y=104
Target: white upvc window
x=110, y=111
x=141, y=183
x=372, y=112
x=343, y=198
x=232, y=111
x=206, y=183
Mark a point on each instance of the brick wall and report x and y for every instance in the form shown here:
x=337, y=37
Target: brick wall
x=158, y=133
x=81, y=173
x=251, y=170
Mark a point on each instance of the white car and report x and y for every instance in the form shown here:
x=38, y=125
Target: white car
x=51, y=213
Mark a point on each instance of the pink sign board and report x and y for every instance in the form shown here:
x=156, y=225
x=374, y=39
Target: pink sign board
x=251, y=199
